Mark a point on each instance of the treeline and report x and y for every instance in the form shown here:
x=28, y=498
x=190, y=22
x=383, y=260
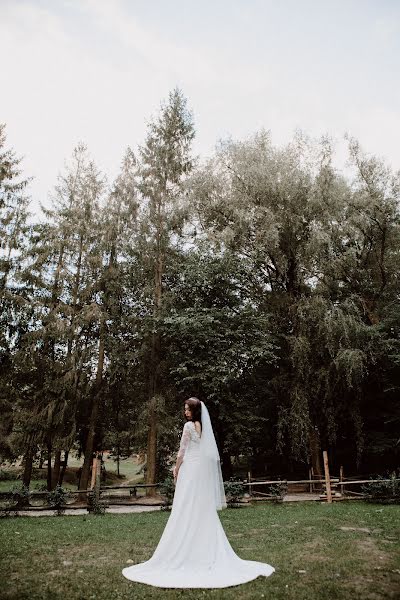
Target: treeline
x=263, y=281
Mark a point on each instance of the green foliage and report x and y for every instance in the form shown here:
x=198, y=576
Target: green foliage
x=234, y=491
x=7, y=475
x=318, y=256
x=167, y=489
x=263, y=281
x=387, y=490
x=279, y=490
x=57, y=499
x=95, y=506
x=19, y=497
x=14, y=307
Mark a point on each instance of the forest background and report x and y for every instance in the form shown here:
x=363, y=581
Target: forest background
x=262, y=280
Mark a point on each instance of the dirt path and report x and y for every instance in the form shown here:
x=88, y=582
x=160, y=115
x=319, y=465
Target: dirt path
x=83, y=511
x=300, y=497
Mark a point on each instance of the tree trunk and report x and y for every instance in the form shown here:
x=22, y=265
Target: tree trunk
x=292, y=276
x=64, y=468
x=28, y=463
x=314, y=444
x=56, y=469
x=49, y=448
x=75, y=296
x=369, y=306
x=84, y=480
x=151, y=472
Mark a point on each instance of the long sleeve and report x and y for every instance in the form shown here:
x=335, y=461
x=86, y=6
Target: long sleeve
x=185, y=439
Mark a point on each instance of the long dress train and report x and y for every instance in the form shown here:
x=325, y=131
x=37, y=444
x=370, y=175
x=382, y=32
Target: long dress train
x=193, y=551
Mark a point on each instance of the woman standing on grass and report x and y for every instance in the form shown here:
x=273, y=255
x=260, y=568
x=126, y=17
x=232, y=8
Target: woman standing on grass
x=193, y=551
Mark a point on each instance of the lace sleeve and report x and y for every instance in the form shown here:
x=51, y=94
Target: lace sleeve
x=184, y=441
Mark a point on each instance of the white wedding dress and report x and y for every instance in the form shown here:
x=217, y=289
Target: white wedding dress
x=193, y=551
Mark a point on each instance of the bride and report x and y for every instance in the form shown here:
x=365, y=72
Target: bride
x=193, y=551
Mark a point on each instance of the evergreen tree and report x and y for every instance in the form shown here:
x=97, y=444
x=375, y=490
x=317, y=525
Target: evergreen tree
x=14, y=310
x=164, y=163
x=63, y=272
x=118, y=226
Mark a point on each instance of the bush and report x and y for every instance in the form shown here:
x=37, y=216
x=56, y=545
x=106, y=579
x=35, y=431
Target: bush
x=19, y=497
x=7, y=475
x=39, y=473
x=40, y=487
x=385, y=490
x=278, y=490
x=234, y=491
x=20, y=494
x=94, y=505
x=167, y=489
x=57, y=498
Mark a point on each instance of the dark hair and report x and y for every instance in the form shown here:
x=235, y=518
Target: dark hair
x=195, y=406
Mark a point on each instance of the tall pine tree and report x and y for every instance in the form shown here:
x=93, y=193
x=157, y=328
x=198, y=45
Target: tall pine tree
x=165, y=162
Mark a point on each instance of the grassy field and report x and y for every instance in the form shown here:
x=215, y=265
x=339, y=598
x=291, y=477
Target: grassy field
x=5, y=486
x=343, y=551
x=128, y=467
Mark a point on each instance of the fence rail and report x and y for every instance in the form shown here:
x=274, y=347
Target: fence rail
x=333, y=480
x=329, y=483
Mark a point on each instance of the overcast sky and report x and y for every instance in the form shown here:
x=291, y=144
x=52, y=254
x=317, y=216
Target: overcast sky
x=96, y=70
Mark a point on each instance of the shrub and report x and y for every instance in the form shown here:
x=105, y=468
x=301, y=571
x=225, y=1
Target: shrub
x=234, y=491
x=18, y=498
x=387, y=489
x=7, y=475
x=278, y=490
x=167, y=489
x=94, y=505
x=41, y=487
x=57, y=498
x=20, y=494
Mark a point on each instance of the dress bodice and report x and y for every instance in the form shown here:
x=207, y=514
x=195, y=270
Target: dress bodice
x=190, y=441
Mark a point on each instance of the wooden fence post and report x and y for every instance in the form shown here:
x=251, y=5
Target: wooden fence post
x=97, y=480
x=249, y=480
x=327, y=478
x=341, y=479
x=94, y=469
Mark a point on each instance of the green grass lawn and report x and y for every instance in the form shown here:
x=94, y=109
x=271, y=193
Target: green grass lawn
x=344, y=551
x=128, y=466
x=5, y=486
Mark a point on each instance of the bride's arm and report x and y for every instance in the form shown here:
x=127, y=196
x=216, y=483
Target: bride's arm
x=182, y=449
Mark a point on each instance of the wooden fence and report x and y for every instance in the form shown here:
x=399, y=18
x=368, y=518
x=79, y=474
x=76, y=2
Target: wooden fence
x=331, y=488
